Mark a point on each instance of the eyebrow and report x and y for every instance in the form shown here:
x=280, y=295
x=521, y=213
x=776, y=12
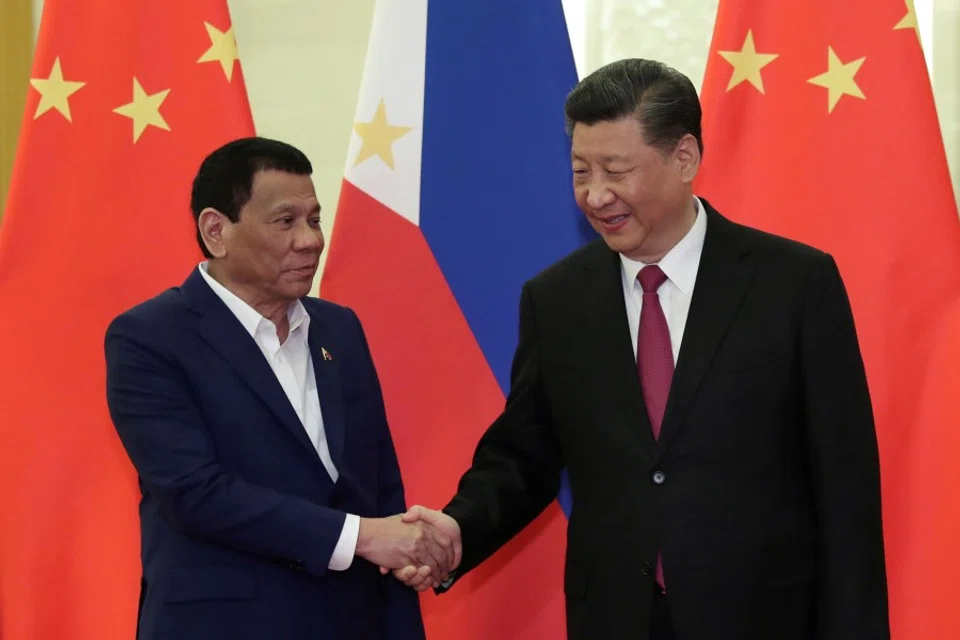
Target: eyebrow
x=289, y=206
x=613, y=157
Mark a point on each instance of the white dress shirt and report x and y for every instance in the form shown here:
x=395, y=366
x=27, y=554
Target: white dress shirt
x=680, y=265
x=292, y=363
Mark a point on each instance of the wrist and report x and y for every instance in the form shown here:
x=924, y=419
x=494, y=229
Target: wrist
x=366, y=535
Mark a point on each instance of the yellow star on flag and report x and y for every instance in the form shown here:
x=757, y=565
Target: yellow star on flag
x=144, y=110
x=909, y=21
x=378, y=137
x=839, y=79
x=223, y=49
x=55, y=92
x=747, y=63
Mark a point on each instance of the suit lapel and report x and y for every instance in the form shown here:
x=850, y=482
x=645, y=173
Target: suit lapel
x=224, y=333
x=609, y=332
x=722, y=281
x=328, y=389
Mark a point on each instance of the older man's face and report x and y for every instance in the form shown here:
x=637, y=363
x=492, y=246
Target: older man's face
x=274, y=248
x=634, y=195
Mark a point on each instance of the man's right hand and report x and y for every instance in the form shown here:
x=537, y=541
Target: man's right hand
x=445, y=532
x=398, y=543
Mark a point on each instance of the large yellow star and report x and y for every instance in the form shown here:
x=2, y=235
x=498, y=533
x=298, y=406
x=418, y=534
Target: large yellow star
x=223, y=49
x=839, y=79
x=144, y=110
x=55, y=92
x=747, y=63
x=378, y=137
x=909, y=21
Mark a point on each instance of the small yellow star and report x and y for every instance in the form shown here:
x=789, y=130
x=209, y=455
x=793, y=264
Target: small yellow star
x=909, y=21
x=144, y=110
x=378, y=136
x=223, y=49
x=747, y=63
x=55, y=92
x=839, y=79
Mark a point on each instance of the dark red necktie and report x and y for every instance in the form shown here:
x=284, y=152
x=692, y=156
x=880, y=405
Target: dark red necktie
x=654, y=356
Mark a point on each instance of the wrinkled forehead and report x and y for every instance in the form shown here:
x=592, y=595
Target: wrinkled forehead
x=273, y=190
x=607, y=141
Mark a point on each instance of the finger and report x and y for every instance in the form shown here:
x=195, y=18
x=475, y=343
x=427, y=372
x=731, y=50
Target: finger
x=457, y=553
x=405, y=574
x=431, y=516
x=423, y=578
x=435, y=555
x=409, y=576
x=384, y=571
x=413, y=514
x=445, y=543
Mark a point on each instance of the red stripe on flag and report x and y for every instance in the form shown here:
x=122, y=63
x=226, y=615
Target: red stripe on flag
x=440, y=395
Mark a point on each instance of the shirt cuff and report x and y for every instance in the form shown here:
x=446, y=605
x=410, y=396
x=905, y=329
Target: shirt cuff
x=346, y=547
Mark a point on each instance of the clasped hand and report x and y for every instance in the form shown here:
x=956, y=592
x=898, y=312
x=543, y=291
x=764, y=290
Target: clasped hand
x=421, y=546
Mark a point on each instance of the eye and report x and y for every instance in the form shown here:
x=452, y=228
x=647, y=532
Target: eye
x=285, y=220
x=315, y=223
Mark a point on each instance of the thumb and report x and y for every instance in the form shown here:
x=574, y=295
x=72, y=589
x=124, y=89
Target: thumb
x=430, y=516
x=413, y=514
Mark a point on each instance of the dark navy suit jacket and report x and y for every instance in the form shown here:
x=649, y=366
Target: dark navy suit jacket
x=238, y=515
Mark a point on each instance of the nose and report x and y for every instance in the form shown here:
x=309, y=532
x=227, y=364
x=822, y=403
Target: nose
x=598, y=196
x=308, y=238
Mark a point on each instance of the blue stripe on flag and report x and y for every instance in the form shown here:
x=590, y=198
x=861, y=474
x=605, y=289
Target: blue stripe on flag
x=496, y=203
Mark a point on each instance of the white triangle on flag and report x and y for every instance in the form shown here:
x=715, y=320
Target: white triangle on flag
x=388, y=124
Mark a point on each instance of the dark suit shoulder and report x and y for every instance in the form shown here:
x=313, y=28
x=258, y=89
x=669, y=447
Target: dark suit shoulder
x=156, y=312
x=774, y=244
x=591, y=255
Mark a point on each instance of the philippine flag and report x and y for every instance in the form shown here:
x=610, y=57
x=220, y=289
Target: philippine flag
x=458, y=189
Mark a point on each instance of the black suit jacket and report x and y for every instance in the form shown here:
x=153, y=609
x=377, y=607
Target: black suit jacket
x=763, y=490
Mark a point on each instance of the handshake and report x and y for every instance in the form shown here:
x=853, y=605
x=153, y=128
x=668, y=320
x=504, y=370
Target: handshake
x=421, y=547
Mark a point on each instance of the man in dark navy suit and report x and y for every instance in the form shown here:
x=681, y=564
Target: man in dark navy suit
x=254, y=417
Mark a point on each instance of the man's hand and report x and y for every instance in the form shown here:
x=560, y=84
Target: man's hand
x=446, y=533
x=392, y=543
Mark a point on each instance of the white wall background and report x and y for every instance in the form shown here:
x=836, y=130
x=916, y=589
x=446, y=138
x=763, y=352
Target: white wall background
x=302, y=60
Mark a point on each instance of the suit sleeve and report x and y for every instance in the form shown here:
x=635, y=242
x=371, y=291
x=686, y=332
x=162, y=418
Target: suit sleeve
x=163, y=432
x=517, y=464
x=403, y=616
x=845, y=466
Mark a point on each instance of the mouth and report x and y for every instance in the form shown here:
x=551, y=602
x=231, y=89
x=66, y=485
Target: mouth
x=613, y=223
x=304, y=271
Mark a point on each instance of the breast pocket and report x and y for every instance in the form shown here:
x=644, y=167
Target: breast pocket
x=751, y=359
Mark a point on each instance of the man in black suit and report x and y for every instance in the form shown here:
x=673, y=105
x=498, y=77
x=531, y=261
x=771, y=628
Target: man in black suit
x=702, y=383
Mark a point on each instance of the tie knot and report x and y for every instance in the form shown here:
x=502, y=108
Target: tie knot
x=651, y=277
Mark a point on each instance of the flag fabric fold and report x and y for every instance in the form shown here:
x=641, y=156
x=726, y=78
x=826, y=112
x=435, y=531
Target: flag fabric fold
x=125, y=100
x=819, y=124
x=458, y=189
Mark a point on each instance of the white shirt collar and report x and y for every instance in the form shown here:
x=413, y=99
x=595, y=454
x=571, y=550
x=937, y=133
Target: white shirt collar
x=681, y=262
x=250, y=318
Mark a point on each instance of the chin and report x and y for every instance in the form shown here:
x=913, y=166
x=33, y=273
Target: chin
x=620, y=244
x=297, y=292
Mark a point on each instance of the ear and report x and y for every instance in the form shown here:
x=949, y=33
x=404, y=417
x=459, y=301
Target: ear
x=687, y=154
x=215, y=230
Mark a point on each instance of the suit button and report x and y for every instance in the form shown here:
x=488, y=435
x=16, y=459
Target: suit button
x=646, y=569
x=659, y=477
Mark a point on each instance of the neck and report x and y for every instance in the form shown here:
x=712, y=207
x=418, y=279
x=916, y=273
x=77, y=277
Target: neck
x=270, y=308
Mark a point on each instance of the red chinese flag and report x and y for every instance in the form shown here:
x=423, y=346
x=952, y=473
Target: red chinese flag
x=819, y=124
x=126, y=99
x=930, y=573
